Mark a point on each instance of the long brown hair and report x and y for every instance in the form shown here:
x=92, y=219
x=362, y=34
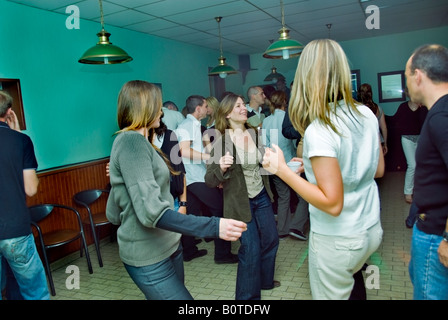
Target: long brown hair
x=365, y=96
x=225, y=108
x=139, y=105
x=278, y=100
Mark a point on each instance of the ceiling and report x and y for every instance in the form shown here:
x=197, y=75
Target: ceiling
x=249, y=26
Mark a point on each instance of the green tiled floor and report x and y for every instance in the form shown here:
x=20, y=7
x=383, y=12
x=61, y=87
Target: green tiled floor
x=209, y=281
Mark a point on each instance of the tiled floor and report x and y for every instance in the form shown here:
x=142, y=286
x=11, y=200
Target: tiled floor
x=209, y=281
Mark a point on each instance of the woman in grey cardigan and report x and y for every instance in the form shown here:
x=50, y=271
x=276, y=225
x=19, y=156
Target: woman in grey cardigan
x=235, y=165
x=141, y=203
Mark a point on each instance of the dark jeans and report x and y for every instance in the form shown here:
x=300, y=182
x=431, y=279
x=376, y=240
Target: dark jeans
x=163, y=280
x=198, y=195
x=259, y=245
x=412, y=217
x=11, y=286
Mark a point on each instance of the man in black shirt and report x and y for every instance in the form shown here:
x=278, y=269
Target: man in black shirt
x=427, y=82
x=17, y=180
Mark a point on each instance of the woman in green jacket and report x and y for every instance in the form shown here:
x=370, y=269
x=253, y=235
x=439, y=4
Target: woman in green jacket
x=235, y=166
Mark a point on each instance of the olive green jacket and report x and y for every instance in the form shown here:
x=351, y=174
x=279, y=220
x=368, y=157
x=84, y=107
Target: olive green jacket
x=236, y=199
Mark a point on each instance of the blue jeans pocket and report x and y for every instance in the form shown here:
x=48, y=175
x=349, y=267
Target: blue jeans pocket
x=21, y=249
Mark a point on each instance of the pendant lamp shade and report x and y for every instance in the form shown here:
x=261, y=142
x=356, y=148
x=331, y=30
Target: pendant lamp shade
x=104, y=52
x=284, y=47
x=274, y=76
x=222, y=69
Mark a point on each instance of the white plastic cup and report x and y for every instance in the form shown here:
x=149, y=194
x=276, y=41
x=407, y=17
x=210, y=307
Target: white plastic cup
x=294, y=165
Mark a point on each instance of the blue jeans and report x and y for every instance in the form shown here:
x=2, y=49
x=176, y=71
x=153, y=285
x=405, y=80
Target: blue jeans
x=259, y=244
x=163, y=280
x=428, y=275
x=23, y=258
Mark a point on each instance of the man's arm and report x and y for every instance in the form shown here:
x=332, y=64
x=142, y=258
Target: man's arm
x=187, y=152
x=31, y=181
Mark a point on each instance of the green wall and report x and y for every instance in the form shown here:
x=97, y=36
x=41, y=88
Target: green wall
x=70, y=108
x=388, y=53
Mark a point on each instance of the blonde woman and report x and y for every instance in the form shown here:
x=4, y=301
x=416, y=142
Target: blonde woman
x=210, y=134
x=341, y=157
x=235, y=165
x=141, y=203
x=213, y=105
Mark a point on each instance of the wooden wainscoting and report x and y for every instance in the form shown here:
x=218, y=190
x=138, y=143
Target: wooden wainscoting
x=59, y=185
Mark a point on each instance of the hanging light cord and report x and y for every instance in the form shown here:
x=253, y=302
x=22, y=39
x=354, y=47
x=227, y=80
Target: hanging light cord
x=102, y=15
x=329, y=30
x=283, y=13
x=218, y=19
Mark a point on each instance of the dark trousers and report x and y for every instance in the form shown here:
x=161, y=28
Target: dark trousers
x=359, y=289
x=199, y=196
x=258, y=250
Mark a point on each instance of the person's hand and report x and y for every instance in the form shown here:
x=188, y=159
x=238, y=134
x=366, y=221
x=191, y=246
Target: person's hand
x=12, y=120
x=273, y=159
x=107, y=169
x=182, y=209
x=301, y=169
x=443, y=253
x=226, y=161
x=230, y=229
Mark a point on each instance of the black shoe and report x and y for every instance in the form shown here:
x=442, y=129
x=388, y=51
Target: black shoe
x=275, y=284
x=197, y=254
x=298, y=234
x=232, y=258
x=409, y=223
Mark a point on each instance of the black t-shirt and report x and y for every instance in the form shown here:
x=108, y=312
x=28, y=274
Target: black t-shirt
x=431, y=173
x=17, y=154
x=171, y=149
x=410, y=122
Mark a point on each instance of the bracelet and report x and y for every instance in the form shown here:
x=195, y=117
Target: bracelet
x=445, y=236
x=182, y=203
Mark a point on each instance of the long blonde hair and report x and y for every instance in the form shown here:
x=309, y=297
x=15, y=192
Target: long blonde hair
x=212, y=103
x=322, y=78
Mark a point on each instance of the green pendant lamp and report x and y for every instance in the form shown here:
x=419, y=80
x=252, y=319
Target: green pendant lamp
x=284, y=47
x=222, y=69
x=104, y=52
x=274, y=76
